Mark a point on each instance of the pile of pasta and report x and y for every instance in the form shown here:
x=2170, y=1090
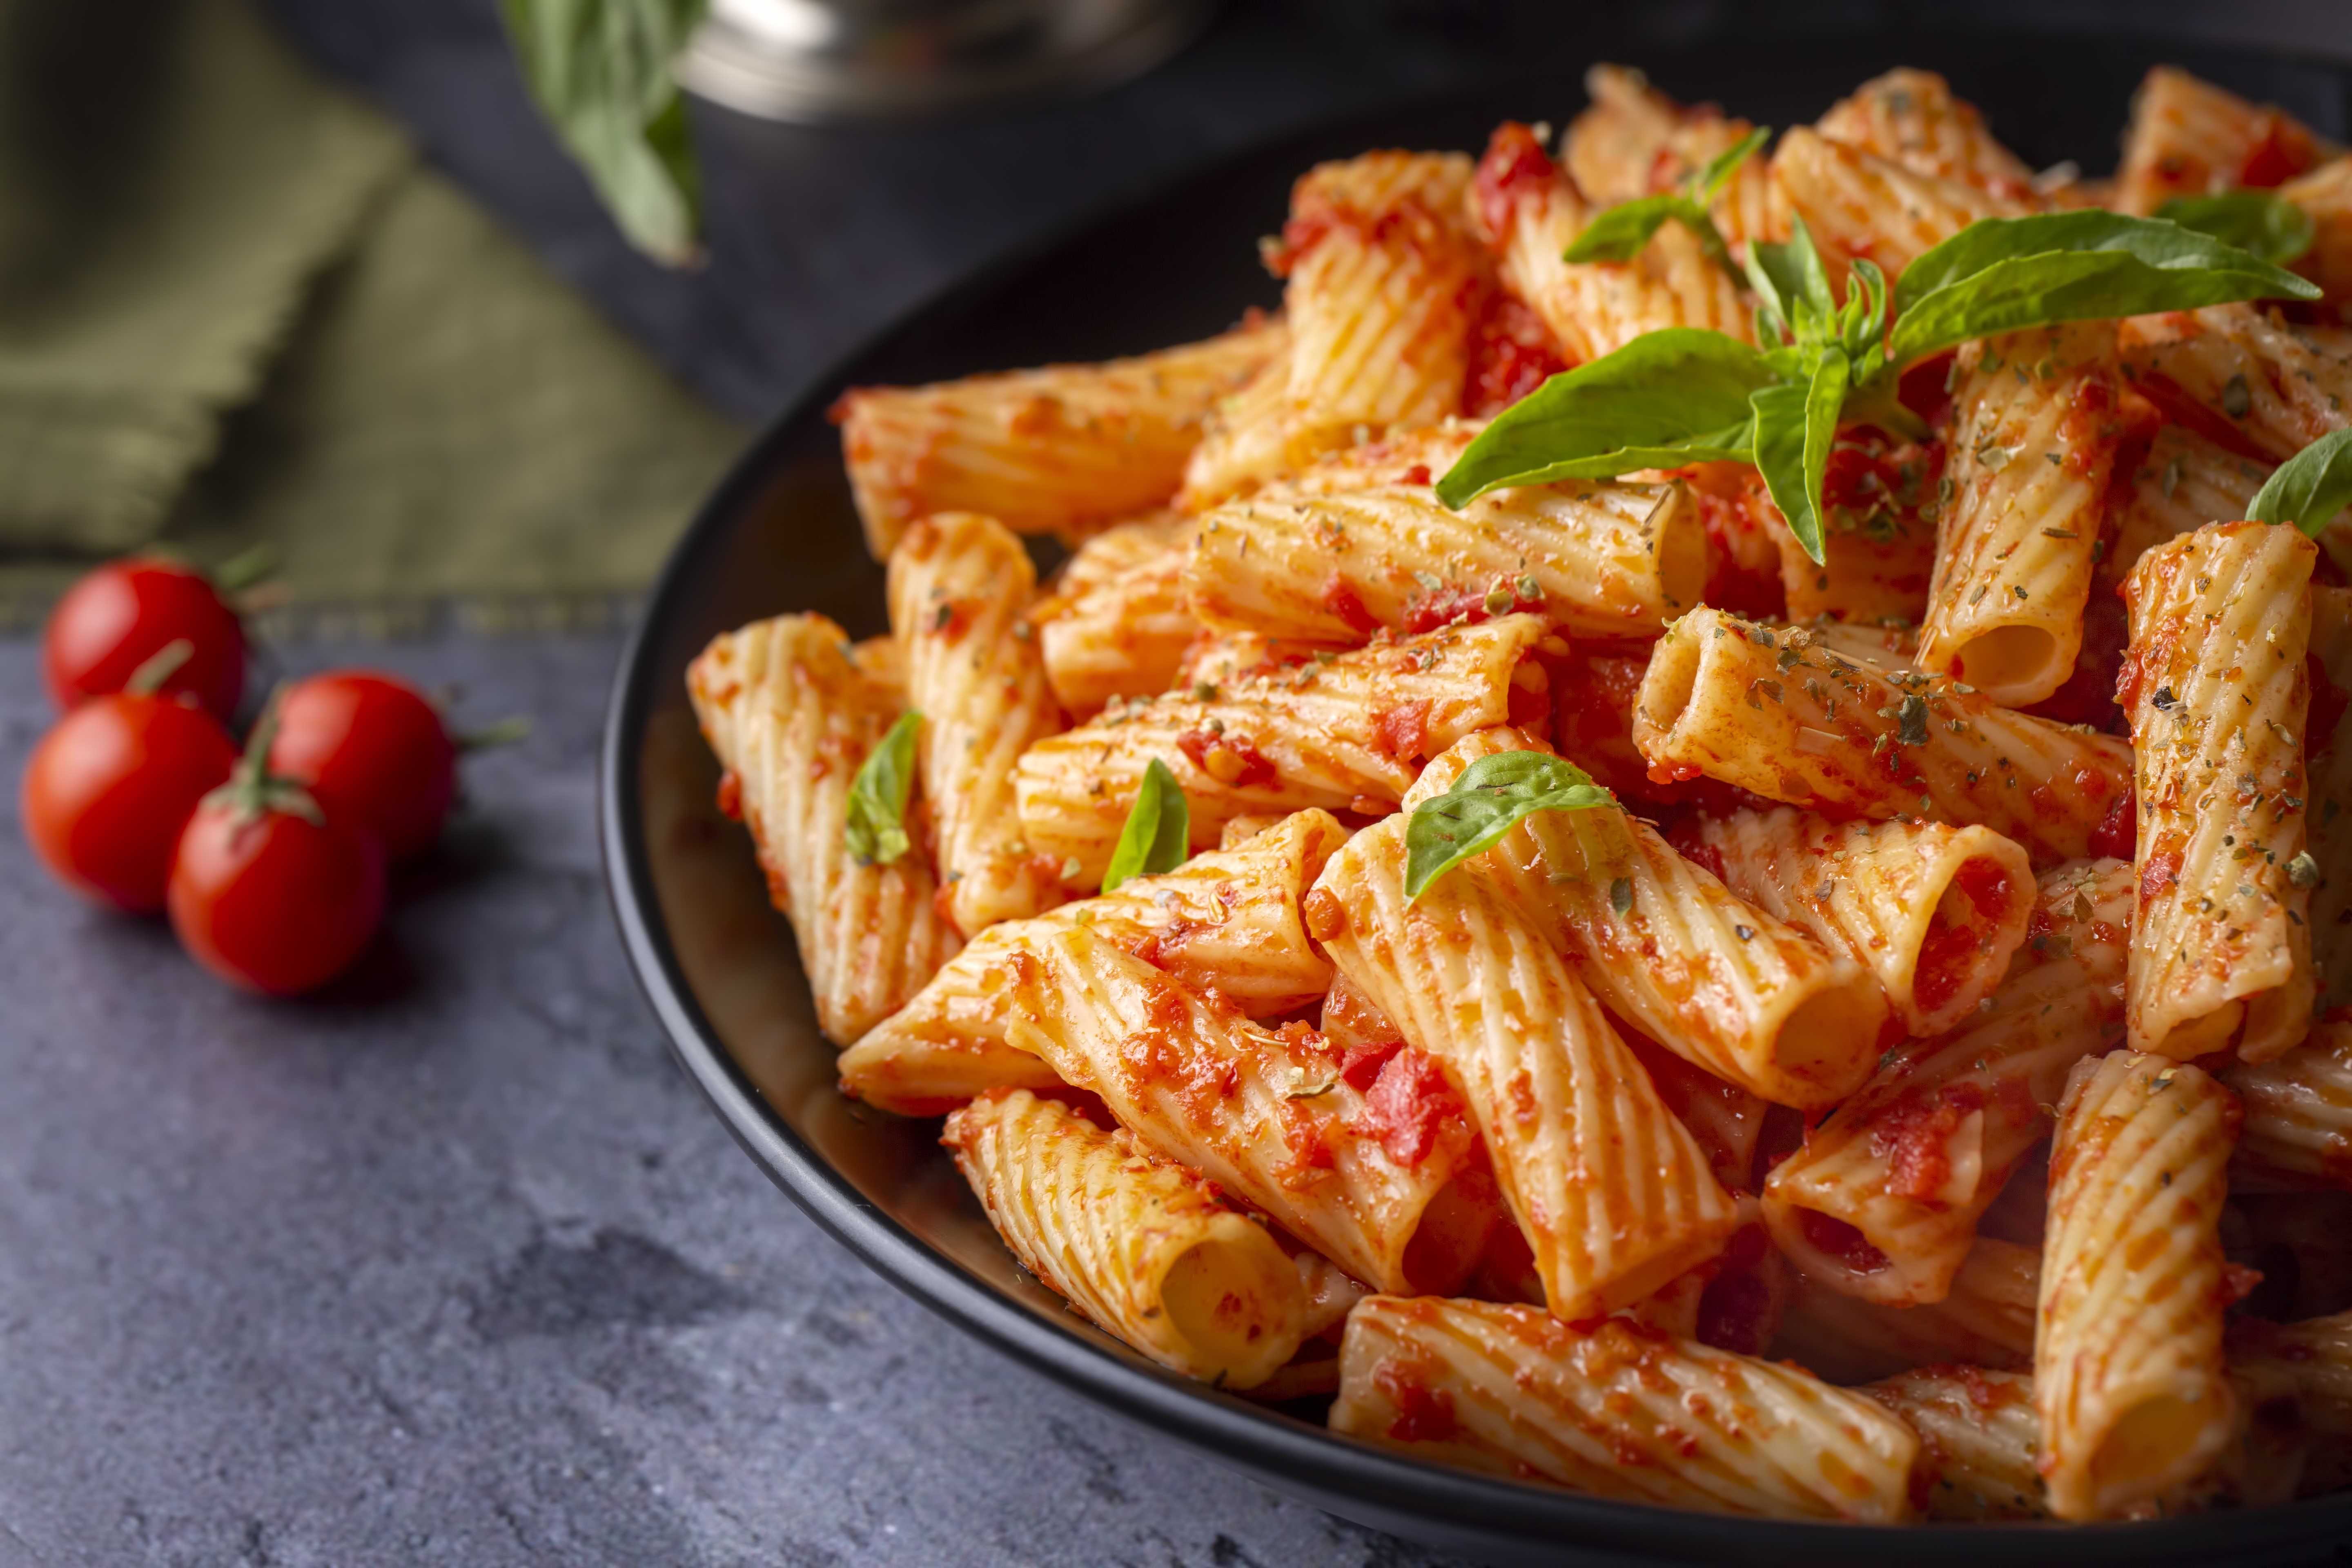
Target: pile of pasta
x=1921, y=1093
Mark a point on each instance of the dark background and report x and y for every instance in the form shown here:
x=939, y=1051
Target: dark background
x=450, y=1264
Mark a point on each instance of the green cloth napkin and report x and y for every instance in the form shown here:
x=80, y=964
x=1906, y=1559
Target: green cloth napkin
x=234, y=309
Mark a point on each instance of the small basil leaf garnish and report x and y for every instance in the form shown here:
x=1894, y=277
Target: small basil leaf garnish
x=1492, y=795
x=1619, y=233
x=875, y=830
x=2310, y=488
x=1158, y=835
x=1669, y=397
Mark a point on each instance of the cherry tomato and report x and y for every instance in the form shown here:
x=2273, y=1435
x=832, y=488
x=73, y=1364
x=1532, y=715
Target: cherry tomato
x=369, y=748
x=272, y=900
x=109, y=788
x=126, y=612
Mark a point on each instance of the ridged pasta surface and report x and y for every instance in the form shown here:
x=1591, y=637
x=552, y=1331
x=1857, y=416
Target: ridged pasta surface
x=1774, y=712
x=960, y=590
x=1227, y=918
x=2032, y=445
x=1202, y=1085
x=1141, y=1246
x=1613, y=1193
x=1041, y=450
x=1908, y=1166
x=2127, y=1361
x=1913, y=118
x=1613, y=1409
x=2218, y=697
x=791, y=720
x=1933, y=912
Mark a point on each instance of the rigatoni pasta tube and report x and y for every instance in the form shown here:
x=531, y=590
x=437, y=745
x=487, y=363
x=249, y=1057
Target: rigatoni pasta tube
x=1332, y=566
x=1141, y=1246
x=1324, y=732
x=2316, y=1357
x=1397, y=1197
x=1617, y=1410
x=2190, y=138
x=1123, y=637
x=1722, y=984
x=1613, y=1193
x=1254, y=438
x=2248, y=380
x=1531, y=215
x=2185, y=482
x=2325, y=193
x=1933, y=912
x=960, y=584
x=1776, y=713
x=2217, y=696
x=2129, y=1375
x=1864, y=208
x=2298, y=1128
x=792, y=719
x=1882, y=1201
x=1635, y=141
x=1383, y=273
x=1913, y=118
x=1040, y=450
x=2034, y=437
x=1977, y=1433
x=1227, y=918
x=1985, y=1320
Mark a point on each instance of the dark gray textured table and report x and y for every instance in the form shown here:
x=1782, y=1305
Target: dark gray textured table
x=451, y=1265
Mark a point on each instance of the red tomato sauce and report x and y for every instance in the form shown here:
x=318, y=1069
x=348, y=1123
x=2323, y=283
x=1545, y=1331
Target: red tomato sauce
x=1408, y=1104
x=1836, y=1239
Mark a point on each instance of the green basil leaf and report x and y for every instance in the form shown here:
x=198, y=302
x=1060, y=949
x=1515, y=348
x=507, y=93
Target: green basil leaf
x=1782, y=414
x=1672, y=397
x=1708, y=182
x=1159, y=832
x=2004, y=274
x=2263, y=224
x=875, y=829
x=2309, y=488
x=1824, y=400
x=600, y=72
x=1492, y=793
x=1619, y=233
x=1795, y=285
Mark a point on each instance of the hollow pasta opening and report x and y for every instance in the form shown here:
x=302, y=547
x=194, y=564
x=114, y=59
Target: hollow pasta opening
x=1816, y=1040
x=1960, y=955
x=2010, y=664
x=2197, y=1037
x=1672, y=676
x=2153, y=1444
x=1229, y=1303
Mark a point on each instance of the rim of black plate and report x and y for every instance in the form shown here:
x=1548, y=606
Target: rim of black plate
x=1351, y=1478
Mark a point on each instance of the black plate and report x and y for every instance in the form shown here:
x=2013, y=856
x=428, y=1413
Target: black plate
x=779, y=535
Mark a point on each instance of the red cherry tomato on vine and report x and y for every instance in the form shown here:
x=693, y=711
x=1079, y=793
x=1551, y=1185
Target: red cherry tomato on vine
x=109, y=788
x=272, y=900
x=270, y=891
x=126, y=612
x=371, y=749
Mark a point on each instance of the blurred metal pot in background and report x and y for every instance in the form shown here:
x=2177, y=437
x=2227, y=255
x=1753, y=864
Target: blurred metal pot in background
x=855, y=59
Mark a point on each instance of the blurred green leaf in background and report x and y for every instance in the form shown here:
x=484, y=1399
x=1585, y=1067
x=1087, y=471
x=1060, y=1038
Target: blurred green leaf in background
x=600, y=71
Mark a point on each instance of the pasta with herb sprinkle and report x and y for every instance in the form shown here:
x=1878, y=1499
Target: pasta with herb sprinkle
x=1670, y=768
